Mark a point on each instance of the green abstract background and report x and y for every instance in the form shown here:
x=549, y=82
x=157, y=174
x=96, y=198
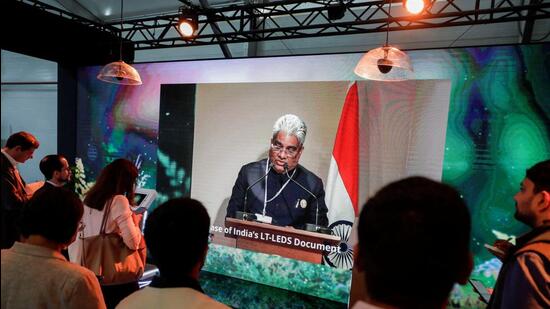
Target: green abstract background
x=498, y=125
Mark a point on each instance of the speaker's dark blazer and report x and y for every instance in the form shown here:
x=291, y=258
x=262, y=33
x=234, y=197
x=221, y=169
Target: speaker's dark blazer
x=292, y=207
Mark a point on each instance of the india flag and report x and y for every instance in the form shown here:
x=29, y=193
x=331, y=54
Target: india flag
x=387, y=131
x=343, y=180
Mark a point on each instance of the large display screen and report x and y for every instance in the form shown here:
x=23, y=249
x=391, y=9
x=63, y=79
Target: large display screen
x=474, y=118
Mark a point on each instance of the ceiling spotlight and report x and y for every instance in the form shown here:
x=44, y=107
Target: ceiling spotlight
x=336, y=11
x=414, y=6
x=188, y=22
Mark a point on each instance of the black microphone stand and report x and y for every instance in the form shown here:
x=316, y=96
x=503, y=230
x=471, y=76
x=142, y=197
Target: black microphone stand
x=244, y=215
x=311, y=227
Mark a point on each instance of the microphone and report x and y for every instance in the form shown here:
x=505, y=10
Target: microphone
x=310, y=227
x=248, y=216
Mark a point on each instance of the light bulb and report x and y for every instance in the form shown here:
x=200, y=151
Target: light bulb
x=186, y=29
x=414, y=6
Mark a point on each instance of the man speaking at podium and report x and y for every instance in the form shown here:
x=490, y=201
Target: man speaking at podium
x=278, y=190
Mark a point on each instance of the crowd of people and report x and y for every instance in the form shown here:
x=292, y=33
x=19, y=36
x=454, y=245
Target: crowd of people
x=413, y=234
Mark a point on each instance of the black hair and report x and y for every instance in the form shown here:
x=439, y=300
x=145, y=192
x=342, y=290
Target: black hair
x=539, y=174
x=414, y=239
x=53, y=213
x=176, y=234
x=23, y=139
x=50, y=164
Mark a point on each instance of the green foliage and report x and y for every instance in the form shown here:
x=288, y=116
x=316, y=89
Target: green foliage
x=290, y=274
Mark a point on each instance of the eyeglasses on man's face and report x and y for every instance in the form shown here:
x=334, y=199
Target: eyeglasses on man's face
x=291, y=151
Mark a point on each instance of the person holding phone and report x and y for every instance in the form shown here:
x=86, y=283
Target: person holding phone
x=114, y=188
x=481, y=290
x=523, y=281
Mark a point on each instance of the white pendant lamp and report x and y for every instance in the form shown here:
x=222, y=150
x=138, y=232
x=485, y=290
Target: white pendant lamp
x=119, y=72
x=385, y=63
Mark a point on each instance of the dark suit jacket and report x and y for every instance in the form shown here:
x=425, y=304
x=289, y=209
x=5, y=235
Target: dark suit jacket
x=46, y=186
x=13, y=199
x=293, y=207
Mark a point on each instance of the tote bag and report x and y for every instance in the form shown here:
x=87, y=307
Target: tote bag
x=110, y=259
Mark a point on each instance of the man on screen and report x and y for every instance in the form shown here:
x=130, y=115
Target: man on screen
x=276, y=189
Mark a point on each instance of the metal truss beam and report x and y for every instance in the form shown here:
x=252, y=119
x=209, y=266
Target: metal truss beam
x=291, y=19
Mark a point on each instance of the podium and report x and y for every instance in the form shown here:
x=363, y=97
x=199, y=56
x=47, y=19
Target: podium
x=284, y=241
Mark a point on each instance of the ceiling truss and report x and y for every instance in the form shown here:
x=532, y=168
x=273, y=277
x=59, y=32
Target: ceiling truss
x=291, y=19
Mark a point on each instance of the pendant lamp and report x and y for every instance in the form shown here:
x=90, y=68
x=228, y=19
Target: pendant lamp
x=385, y=63
x=119, y=72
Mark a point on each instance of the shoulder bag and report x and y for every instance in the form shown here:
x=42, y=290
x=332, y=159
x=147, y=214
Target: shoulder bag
x=110, y=259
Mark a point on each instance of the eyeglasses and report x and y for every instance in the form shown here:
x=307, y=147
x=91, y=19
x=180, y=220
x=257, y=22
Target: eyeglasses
x=291, y=151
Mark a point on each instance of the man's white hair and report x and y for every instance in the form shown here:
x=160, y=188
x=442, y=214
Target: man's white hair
x=291, y=125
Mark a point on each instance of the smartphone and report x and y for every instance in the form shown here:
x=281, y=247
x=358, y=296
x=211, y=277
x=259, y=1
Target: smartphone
x=481, y=290
x=494, y=249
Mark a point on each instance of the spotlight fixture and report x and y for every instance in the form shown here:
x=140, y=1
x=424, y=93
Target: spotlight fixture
x=119, y=72
x=336, y=11
x=188, y=22
x=414, y=6
x=385, y=63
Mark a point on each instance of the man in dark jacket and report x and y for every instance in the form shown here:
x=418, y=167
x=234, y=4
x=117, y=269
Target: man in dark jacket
x=524, y=279
x=56, y=171
x=19, y=148
x=278, y=190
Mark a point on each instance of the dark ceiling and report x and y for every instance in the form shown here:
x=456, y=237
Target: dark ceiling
x=36, y=32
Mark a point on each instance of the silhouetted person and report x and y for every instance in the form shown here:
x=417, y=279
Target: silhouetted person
x=178, y=233
x=34, y=273
x=57, y=173
x=414, y=237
